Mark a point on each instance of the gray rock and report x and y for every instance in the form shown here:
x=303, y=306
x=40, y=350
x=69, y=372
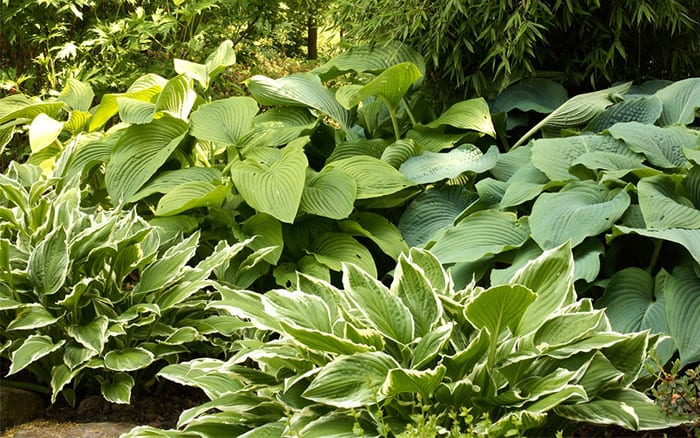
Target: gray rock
x=73, y=430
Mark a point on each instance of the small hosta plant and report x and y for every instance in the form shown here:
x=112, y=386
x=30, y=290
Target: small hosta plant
x=373, y=360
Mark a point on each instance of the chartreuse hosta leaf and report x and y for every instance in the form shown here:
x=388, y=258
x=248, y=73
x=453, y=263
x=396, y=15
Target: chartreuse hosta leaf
x=430, y=167
x=145, y=89
x=378, y=229
x=472, y=114
x=43, y=131
x=169, y=179
x=222, y=57
x=139, y=153
x=680, y=101
x=579, y=210
x=481, y=234
x=77, y=95
x=224, y=121
x=390, y=86
x=191, y=195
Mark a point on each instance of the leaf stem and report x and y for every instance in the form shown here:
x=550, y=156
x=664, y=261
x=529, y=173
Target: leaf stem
x=655, y=254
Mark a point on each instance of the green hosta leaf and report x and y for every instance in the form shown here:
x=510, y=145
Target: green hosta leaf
x=196, y=71
x=128, y=359
x=268, y=232
x=378, y=229
x=224, y=121
x=32, y=316
x=479, y=235
x=334, y=249
x=643, y=109
x=470, y=114
x=191, y=195
x=117, y=388
x=680, y=99
x=301, y=89
x=579, y=210
x=49, y=262
x=499, y=307
x=401, y=150
x=390, y=86
x=690, y=239
x=43, y=131
x=168, y=180
x=423, y=382
x=77, y=95
x=329, y=193
x=373, y=59
x=430, y=345
x=139, y=153
x=144, y=88
x=540, y=95
x=135, y=111
x=28, y=110
x=682, y=292
x=279, y=126
x=662, y=206
x=385, y=311
x=551, y=277
x=663, y=147
x=433, y=140
x=431, y=167
x=352, y=381
x=32, y=349
x=433, y=210
x=415, y=291
x=555, y=156
x=85, y=156
x=373, y=177
x=177, y=97
x=634, y=301
x=578, y=110
x=92, y=335
x=272, y=180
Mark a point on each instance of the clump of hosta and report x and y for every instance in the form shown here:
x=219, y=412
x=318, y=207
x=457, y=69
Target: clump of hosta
x=373, y=360
x=96, y=297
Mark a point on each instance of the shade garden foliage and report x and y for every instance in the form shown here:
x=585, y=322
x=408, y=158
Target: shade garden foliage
x=328, y=256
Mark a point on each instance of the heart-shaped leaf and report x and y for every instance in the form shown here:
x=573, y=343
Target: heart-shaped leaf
x=329, y=193
x=430, y=167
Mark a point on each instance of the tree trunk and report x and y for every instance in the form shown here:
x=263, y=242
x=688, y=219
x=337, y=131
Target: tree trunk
x=312, y=36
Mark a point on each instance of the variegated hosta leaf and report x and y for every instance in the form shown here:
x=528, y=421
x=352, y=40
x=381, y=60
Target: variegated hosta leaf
x=300, y=308
x=224, y=121
x=209, y=375
x=473, y=114
x=329, y=193
x=32, y=349
x=139, y=153
x=92, y=335
x=49, y=263
x=416, y=292
x=32, y=316
x=117, y=388
x=168, y=268
x=352, y=381
x=424, y=382
x=128, y=359
x=430, y=167
x=579, y=210
x=272, y=180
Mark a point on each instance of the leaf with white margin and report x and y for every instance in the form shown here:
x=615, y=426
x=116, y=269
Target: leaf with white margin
x=128, y=359
x=430, y=167
x=49, y=263
x=32, y=349
x=579, y=210
x=117, y=388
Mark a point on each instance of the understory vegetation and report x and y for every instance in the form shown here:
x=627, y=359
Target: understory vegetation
x=324, y=249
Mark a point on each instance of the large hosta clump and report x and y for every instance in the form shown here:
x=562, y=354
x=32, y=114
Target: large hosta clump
x=376, y=360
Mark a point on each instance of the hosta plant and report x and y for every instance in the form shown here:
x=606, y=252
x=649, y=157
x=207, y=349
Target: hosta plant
x=372, y=360
x=96, y=298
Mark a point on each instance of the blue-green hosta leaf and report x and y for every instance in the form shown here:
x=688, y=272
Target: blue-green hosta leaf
x=139, y=153
x=479, y=235
x=579, y=210
x=416, y=292
x=511, y=162
x=43, y=131
x=301, y=89
x=643, y=109
x=663, y=207
x=329, y=193
x=433, y=210
x=306, y=310
x=32, y=349
x=690, y=239
x=424, y=382
x=135, y=111
x=272, y=180
x=540, y=95
x=128, y=359
x=663, y=147
x=524, y=185
x=430, y=345
x=614, y=165
x=378, y=229
x=374, y=177
x=430, y=167
x=191, y=195
x=390, y=86
x=682, y=292
x=92, y=335
x=680, y=99
x=334, y=249
x=372, y=59
x=224, y=121
x=177, y=97
x=554, y=156
x=385, y=311
x=77, y=95
x=49, y=262
x=587, y=259
x=168, y=180
x=117, y=388
x=470, y=114
x=352, y=381
x=401, y=150
x=144, y=88
x=578, y=110
x=551, y=277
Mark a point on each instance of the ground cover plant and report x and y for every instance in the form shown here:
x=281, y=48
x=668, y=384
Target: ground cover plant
x=302, y=200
